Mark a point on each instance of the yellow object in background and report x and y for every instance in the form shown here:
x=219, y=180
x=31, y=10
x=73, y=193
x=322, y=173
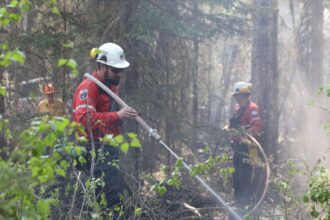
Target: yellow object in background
x=56, y=108
x=93, y=53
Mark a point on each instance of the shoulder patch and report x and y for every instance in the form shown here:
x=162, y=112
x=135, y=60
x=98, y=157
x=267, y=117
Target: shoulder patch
x=83, y=94
x=254, y=113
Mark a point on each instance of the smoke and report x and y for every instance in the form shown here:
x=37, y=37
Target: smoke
x=303, y=136
x=304, y=114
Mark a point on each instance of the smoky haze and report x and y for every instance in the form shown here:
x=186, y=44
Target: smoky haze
x=304, y=113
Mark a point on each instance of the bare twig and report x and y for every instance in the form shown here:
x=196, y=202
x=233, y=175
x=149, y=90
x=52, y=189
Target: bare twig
x=74, y=194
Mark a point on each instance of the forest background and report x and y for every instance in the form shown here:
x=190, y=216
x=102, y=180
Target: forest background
x=185, y=58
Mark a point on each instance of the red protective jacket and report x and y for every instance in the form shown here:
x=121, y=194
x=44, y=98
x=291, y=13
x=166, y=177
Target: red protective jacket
x=249, y=118
x=93, y=108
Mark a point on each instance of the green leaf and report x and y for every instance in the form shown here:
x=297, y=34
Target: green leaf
x=50, y=139
x=24, y=5
x=306, y=199
x=124, y=147
x=60, y=172
x=3, y=90
x=43, y=127
x=14, y=16
x=72, y=64
x=109, y=139
x=179, y=164
x=93, y=154
x=131, y=135
x=161, y=190
x=137, y=212
x=95, y=216
x=163, y=168
x=3, y=11
x=62, y=62
x=34, y=165
x=82, y=139
x=119, y=139
x=18, y=56
x=193, y=172
x=135, y=143
x=82, y=160
x=174, y=181
x=64, y=164
x=68, y=45
x=44, y=207
x=314, y=213
x=75, y=163
x=13, y=4
x=78, y=150
x=55, y=10
x=74, y=74
x=171, y=182
x=3, y=46
x=231, y=170
x=224, y=157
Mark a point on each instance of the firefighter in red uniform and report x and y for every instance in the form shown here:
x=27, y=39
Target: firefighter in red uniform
x=246, y=117
x=100, y=116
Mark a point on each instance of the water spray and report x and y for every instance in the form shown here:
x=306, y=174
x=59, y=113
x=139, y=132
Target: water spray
x=153, y=133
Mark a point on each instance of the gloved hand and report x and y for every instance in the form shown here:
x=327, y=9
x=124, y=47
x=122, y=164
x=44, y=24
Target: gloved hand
x=240, y=139
x=253, y=154
x=232, y=135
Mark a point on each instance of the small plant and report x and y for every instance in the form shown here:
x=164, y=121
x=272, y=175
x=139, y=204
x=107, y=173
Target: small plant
x=318, y=194
x=31, y=168
x=173, y=180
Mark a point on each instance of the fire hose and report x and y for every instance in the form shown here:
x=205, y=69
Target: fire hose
x=263, y=154
x=153, y=133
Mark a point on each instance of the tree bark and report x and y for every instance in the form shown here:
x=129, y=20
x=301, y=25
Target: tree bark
x=317, y=51
x=265, y=76
x=2, y=112
x=195, y=98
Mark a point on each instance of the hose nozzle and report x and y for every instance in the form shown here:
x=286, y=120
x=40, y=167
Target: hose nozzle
x=153, y=133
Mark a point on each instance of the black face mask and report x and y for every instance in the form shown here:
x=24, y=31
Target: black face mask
x=114, y=82
x=108, y=81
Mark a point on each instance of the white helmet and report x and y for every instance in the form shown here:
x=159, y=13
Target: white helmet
x=242, y=88
x=110, y=54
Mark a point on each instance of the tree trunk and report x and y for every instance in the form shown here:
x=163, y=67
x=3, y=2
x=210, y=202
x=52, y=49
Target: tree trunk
x=131, y=86
x=265, y=76
x=195, y=98
x=2, y=112
x=227, y=77
x=317, y=52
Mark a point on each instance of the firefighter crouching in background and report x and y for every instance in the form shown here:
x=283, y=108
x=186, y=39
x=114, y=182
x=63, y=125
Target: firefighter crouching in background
x=246, y=117
x=100, y=115
x=51, y=105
